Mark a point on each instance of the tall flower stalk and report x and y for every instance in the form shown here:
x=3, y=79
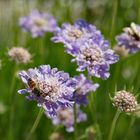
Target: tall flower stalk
x=40, y=113
x=113, y=125
x=11, y=104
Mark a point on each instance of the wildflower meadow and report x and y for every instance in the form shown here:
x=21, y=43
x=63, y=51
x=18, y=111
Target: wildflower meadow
x=69, y=69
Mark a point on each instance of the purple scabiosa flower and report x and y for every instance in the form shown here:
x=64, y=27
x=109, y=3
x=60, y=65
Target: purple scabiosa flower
x=88, y=47
x=83, y=87
x=75, y=34
x=130, y=38
x=66, y=117
x=96, y=57
x=38, y=23
x=49, y=87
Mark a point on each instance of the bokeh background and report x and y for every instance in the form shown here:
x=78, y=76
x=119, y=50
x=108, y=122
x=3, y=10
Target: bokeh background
x=110, y=16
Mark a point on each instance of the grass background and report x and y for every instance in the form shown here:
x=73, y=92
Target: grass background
x=110, y=16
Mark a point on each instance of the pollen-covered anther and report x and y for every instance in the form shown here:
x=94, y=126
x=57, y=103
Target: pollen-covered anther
x=125, y=101
x=92, y=54
x=75, y=34
x=19, y=54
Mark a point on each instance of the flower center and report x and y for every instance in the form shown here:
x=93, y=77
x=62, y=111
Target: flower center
x=92, y=54
x=40, y=22
x=74, y=34
x=48, y=89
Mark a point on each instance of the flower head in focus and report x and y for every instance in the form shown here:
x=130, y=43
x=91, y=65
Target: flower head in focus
x=66, y=117
x=37, y=23
x=19, y=55
x=96, y=57
x=83, y=87
x=49, y=87
x=125, y=101
x=130, y=38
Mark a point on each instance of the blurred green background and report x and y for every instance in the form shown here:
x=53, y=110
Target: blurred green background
x=110, y=16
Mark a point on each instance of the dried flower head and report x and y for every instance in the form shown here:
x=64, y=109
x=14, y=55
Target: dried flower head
x=49, y=87
x=66, y=117
x=91, y=133
x=19, y=54
x=125, y=101
x=121, y=51
x=37, y=23
x=56, y=136
x=130, y=38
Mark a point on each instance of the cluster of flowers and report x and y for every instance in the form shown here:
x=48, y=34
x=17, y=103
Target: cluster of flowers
x=55, y=90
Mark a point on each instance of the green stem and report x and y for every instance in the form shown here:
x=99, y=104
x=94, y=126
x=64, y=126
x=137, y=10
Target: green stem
x=35, y=123
x=113, y=125
x=11, y=104
x=115, y=7
x=75, y=123
x=92, y=108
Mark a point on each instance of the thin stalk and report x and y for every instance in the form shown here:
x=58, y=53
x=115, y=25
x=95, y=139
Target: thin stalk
x=75, y=122
x=11, y=104
x=92, y=108
x=115, y=8
x=91, y=102
x=40, y=113
x=113, y=125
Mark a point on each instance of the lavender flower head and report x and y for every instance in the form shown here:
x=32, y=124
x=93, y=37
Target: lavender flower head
x=96, y=57
x=66, y=117
x=83, y=87
x=75, y=34
x=130, y=38
x=38, y=23
x=88, y=47
x=49, y=87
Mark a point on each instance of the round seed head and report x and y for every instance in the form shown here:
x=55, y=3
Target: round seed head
x=19, y=54
x=125, y=101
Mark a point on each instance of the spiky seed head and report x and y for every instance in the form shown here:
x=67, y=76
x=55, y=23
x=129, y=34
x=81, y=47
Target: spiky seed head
x=125, y=101
x=19, y=54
